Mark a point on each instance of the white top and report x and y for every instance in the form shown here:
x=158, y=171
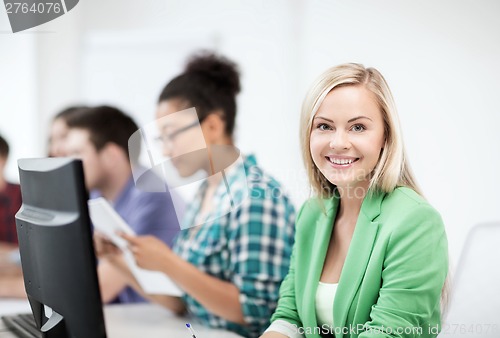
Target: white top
x=325, y=294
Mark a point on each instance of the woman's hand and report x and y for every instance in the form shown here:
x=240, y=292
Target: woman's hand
x=149, y=252
x=272, y=334
x=104, y=247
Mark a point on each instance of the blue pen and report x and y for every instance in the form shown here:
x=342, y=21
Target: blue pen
x=190, y=328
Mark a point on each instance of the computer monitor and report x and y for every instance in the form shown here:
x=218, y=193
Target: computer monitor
x=57, y=252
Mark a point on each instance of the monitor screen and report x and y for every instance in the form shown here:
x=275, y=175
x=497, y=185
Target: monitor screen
x=56, y=248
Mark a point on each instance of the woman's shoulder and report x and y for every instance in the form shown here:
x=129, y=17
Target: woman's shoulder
x=404, y=207
x=406, y=200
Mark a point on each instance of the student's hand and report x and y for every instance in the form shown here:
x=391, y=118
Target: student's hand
x=272, y=334
x=9, y=260
x=103, y=247
x=149, y=252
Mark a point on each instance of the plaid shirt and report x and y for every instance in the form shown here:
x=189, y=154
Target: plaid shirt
x=10, y=202
x=250, y=246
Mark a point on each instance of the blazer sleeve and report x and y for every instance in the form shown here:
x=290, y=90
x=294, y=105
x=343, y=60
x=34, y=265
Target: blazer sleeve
x=414, y=271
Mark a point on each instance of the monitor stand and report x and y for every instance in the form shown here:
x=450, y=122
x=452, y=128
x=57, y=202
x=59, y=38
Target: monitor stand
x=53, y=327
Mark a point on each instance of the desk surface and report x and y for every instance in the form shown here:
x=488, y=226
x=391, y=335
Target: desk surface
x=131, y=321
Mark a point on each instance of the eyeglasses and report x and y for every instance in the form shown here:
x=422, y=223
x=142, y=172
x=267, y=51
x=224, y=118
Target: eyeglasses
x=169, y=138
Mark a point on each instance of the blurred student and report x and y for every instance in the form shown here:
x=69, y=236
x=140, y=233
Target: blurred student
x=370, y=257
x=59, y=131
x=99, y=137
x=11, y=281
x=10, y=200
x=231, y=266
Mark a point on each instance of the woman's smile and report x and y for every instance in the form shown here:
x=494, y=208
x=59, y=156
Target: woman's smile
x=341, y=162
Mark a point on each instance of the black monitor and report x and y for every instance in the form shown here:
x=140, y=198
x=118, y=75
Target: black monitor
x=57, y=252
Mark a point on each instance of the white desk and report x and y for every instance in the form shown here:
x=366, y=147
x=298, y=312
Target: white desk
x=131, y=321
x=8, y=306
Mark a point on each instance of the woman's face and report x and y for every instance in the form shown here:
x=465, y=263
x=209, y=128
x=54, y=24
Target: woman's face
x=182, y=138
x=347, y=136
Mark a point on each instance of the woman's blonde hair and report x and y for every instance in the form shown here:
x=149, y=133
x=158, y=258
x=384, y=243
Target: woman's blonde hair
x=392, y=169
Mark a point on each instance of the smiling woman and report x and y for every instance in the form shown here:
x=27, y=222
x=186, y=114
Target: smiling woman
x=344, y=146
x=370, y=255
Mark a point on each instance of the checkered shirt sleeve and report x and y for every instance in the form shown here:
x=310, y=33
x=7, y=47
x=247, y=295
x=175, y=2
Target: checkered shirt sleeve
x=260, y=239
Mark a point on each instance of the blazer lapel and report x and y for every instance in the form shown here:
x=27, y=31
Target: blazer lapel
x=323, y=232
x=357, y=257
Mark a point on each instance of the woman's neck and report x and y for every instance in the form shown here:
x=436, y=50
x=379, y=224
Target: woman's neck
x=351, y=199
x=221, y=154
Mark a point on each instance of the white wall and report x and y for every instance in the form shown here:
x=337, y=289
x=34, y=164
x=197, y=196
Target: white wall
x=441, y=61
x=439, y=57
x=258, y=34
x=18, y=94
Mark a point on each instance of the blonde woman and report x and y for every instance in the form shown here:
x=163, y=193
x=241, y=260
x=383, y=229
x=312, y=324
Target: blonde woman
x=370, y=257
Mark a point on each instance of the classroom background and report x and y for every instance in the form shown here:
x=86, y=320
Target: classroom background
x=439, y=57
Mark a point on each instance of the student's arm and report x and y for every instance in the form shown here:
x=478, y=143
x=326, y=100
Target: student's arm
x=219, y=297
x=111, y=281
x=11, y=276
x=12, y=286
x=151, y=214
x=260, y=238
x=6, y=247
x=112, y=257
x=116, y=262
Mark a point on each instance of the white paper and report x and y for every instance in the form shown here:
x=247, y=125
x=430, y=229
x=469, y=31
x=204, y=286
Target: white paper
x=107, y=221
x=152, y=282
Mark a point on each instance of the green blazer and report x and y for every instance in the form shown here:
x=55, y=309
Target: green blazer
x=392, y=277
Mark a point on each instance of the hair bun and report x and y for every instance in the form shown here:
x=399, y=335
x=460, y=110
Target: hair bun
x=222, y=72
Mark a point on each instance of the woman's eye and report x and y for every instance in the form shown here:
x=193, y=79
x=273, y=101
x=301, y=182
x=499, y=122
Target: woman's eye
x=358, y=128
x=323, y=126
